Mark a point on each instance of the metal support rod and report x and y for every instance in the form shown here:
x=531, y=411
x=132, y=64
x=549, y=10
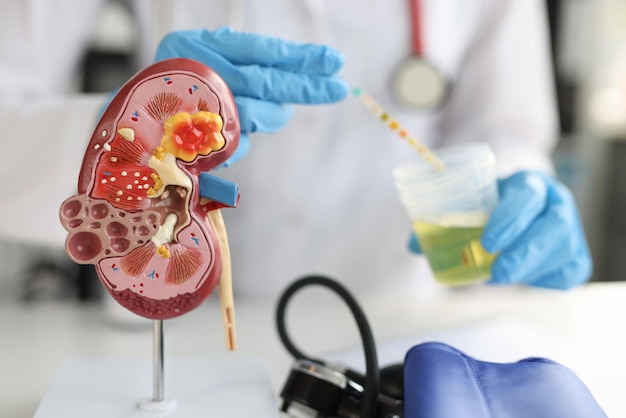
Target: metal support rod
x=158, y=388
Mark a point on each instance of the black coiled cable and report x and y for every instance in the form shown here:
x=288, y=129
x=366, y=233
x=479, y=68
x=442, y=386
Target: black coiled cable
x=372, y=382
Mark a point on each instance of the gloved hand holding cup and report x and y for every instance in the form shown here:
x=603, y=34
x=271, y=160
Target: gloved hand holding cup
x=449, y=208
x=538, y=234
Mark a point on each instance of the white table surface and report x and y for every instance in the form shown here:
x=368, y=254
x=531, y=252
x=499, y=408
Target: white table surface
x=583, y=329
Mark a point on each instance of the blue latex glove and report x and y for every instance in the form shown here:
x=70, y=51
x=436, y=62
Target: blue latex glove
x=414, y=244
x=538, y=233
x=265, y=74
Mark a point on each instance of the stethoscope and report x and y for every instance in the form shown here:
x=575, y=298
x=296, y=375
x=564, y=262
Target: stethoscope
x=417, y=83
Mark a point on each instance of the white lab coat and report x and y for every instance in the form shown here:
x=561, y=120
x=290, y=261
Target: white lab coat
x=318, y=195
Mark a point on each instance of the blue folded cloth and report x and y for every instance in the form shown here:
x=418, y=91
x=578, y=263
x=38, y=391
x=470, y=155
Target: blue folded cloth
x=442, y=382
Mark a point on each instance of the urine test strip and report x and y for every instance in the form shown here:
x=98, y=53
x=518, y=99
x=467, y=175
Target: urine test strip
x=395, y=126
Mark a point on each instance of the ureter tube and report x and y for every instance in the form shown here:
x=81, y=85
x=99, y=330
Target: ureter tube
x=225, y=287
x=395, y=126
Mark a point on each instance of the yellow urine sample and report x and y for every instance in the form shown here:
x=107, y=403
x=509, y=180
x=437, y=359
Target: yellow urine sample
x=454, y=253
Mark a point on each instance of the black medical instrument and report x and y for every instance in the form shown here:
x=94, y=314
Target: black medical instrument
x=320, y=389
x=417, y=83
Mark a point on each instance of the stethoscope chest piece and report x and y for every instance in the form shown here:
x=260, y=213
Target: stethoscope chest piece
x=417, y=84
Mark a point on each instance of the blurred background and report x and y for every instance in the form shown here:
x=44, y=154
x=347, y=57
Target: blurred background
x=588, y=40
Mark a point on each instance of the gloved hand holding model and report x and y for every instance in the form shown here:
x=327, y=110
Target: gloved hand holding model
x=538, y=233
x=264, y=73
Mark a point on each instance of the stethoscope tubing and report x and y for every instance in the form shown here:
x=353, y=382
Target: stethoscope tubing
x=417, y=41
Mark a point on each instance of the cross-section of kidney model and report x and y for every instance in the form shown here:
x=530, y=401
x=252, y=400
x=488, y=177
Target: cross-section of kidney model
x=159, y=247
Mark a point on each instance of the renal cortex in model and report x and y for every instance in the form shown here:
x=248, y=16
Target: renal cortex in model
x=147, y=212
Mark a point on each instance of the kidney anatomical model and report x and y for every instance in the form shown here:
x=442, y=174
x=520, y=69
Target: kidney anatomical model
x=159, y=247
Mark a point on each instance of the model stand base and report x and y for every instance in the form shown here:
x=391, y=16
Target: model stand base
x=194, y=387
